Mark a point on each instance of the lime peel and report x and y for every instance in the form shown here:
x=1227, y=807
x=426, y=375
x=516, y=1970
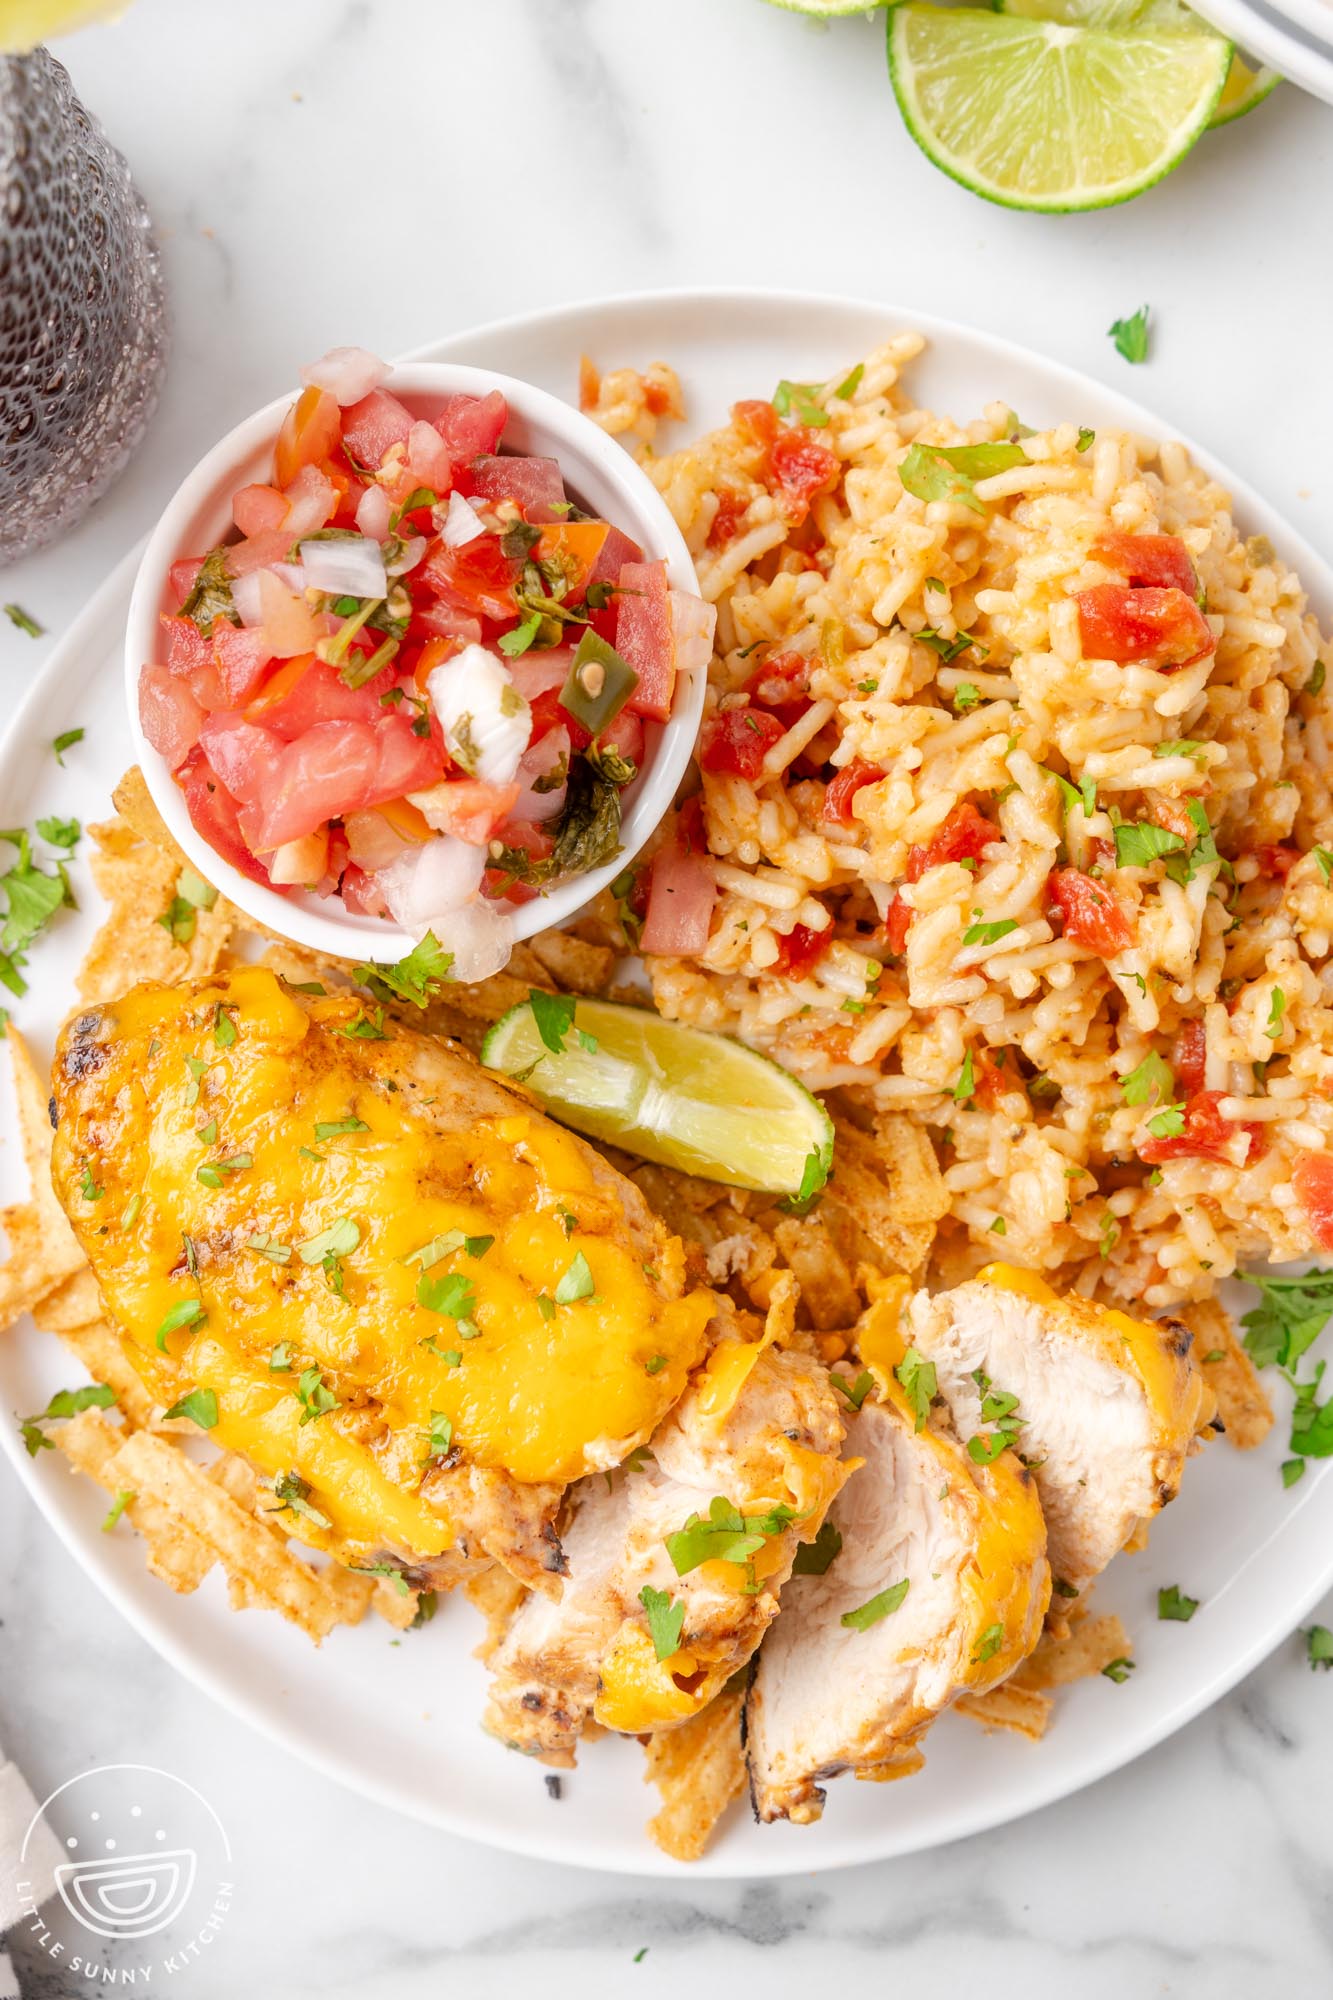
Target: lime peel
x=678, y=1096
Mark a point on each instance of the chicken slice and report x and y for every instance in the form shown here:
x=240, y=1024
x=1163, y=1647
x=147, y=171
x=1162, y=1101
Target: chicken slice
x=939, y=1588
x=757, y=1437
x=410, y=1300
x=1107, y=1407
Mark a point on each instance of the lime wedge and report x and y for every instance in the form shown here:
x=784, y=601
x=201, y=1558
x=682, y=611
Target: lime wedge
x=678, y=1096
x=1245, y=86
x=1044, y=115
x=828, y=10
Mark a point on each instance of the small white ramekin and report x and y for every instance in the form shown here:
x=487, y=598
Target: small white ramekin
x=598, y=473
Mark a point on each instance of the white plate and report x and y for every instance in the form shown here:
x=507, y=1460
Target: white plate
x=398, y=1722
x=1292, y=36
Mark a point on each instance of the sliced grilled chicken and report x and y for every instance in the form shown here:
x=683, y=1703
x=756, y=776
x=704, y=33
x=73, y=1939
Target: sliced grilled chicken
x=390, y=1281
x=759, y=1433
x=939, y=1588
x=1106, y=1407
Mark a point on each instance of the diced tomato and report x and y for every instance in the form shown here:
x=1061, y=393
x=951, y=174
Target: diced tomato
x=242, y=653
x=683, y=892
x=333, y=769
x=361, y=893
x=1312, y=1179
x=736, y=741
x=477, y=579
x=1092, y=915
x=843, y=788
x=731, y=507
x=169, y=713
x=575, y=547
x=471, y=810
x=529, y=839
x=439, y=618
x=406, y=762
x=258, y=509
x=187, y=648
x=534, y=483
x=801, y=950
x=311, y=500
x=433, y=654
x=373, y=426
x=1162, y=628
x=988, y=1079
x=624, y=735
x=1207, y=1135
x=213, y=813
x=472, y=425
x=1190, y=1058
x=799, y=467
x=258, y=551
x=757, y=422
x=246, y=757
x=1160, y=560
x=1278, y=860
x=643, y=637
x=964, y=836
x=317, y=693
x=897, y=923
x=549, y=712
x=184, y=575
x=310, y=431
x=615, y=552
x=782, y=683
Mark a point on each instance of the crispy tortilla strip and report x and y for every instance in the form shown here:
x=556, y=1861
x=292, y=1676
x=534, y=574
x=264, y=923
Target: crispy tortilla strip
x=93, y=1445
x=828, y=1291
x=43, y=1251
x=891, y=1186
x=1086, y=1648
x=264, y=1570
x=1023, y=1710
x=99, y=1348
x=138, y=879
x=1241, y=1403
x=351, y=1590
x=133, y=801
x=75, y=1303
x=576, y=967
x=497, y=1595
x=699, y=1769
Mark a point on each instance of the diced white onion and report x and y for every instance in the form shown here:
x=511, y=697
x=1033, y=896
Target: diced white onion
x=372, y=513
x=245, y=596
x=426, y=885
x=346, y=373
x=539, y=760
x=462, y=523
x=352, y=568
x=692, y=626
x=485, y=720
x=481, y=938
x=409, y=557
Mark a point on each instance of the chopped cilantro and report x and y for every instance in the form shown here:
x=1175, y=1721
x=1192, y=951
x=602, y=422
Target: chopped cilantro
x=211, y=1175
x=665, y=1620
x=338, y=1240
x=293, y=1495
x=1118, y=1670
x=333, y=1128
x=1324, y=862
x=989, y=933
x=988, y=1645
x=1319, y=1647
x=66, y=741
x=88, y=1187
x=723, y=1535
x=1172, y=1604
x=1131, y=336
x=65, y=1403
x=124, y=1495
x=224, y=1028
x=800, y=397
x=452, y=1296
x=1181, y=746
x=186, y=1312
x=938, y=472
x=577, y=1282
x=877, y=1607
x=440, y=1437
x=280, y=1359
x=966, y=1084
x=1289, y=1318
x=1152, y=1079
x=553, y=1016
x=416, y=978
x=919, y=1382
x=314, y=1396
x=1277, y=1007
x=1085, y=438
x=848, y=388
x=855, y=1392
x=1168, y=1123
x=965, y=696
x=1139, y=844
x=24, y=621
x=200, y=1406
x=267, y=1245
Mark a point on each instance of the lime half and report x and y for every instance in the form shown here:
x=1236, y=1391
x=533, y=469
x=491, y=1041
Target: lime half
x=1245, y=86
x=678, y=1096
x=1045, y=115
x=829, y=10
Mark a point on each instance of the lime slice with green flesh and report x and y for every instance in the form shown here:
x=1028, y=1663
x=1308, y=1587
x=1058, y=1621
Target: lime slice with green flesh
x=1245, y=86
x=828, y=10
x=678, y=1096
x=1043, y=115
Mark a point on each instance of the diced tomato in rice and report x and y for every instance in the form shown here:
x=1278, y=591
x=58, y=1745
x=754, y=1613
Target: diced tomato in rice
x=1160, y=628
x=1092, y=915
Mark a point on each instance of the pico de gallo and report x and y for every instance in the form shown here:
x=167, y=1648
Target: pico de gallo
x=417, y=676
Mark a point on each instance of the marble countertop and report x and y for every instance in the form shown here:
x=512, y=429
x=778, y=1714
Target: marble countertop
x=518, y=153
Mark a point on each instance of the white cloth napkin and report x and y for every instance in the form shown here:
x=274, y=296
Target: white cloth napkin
x=36, y=1870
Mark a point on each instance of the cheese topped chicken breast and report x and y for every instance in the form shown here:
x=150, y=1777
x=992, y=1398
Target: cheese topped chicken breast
x=418, y=1307
x=1104, y=1408
x=935, y=1584
x=675, y=1566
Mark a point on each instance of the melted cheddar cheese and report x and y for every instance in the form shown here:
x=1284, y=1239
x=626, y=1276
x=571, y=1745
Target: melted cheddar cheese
x=466, y=1281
